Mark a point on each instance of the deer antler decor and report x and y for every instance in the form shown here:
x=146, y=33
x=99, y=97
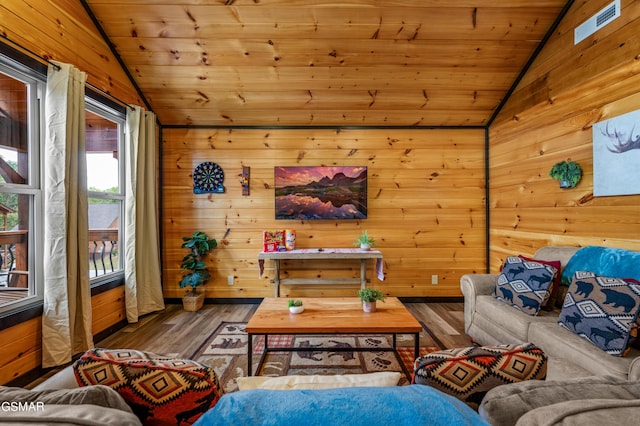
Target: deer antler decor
x=622, y=142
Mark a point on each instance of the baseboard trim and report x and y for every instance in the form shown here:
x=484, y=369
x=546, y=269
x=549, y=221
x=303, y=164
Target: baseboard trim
x=257, y=300
x=110, y=330
x=218, y=301
x=430, y=299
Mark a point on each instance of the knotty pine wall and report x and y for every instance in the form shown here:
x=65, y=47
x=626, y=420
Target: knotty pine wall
x=426, y=206
x=549, y=119
x=61, y=31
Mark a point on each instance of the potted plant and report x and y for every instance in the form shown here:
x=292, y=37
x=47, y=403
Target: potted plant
x=194, y=269
x=369, y=296
x=364, y=241
x=568, y=173
x=295, y=306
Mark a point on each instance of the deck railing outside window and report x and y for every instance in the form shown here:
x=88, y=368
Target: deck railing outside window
x=103, y=255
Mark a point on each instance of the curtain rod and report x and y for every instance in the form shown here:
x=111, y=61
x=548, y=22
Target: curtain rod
x=44, y=61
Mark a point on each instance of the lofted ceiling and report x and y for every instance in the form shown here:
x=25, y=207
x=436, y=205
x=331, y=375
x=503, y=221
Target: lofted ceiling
x=322, y=62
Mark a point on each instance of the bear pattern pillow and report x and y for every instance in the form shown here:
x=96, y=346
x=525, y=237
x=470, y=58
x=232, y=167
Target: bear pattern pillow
x=525, y=284
x=602, y=310
x=553, y=290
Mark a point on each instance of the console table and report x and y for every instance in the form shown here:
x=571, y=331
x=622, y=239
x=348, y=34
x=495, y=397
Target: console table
x=322, y=254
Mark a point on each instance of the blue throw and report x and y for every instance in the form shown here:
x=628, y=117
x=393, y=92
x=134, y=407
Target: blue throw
x=366, y=406
x=603, y=261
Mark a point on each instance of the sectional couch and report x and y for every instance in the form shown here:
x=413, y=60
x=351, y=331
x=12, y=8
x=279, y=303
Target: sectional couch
x=489, y=321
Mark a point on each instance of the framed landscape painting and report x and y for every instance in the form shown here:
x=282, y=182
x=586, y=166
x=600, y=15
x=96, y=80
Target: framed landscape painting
x=616, y=155
x=319, y=192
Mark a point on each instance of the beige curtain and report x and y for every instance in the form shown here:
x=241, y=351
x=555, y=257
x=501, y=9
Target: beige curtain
x=66, y=319
x=143, y=286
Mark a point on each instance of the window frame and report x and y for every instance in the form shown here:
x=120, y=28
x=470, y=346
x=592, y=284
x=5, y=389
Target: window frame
x=117, y=116
x=36, y=84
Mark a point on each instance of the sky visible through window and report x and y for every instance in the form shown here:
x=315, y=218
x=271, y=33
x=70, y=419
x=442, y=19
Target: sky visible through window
x=102, y=166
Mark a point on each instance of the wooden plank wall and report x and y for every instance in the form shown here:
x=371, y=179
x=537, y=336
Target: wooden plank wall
x=62, y=31
x=426, y=206
x=549, y=119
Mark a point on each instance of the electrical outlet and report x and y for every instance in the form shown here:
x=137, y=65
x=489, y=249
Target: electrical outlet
x=434, y=279
x=230, y=279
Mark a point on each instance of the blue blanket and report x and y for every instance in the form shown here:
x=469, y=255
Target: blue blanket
x=366, y=406
x=603, y=261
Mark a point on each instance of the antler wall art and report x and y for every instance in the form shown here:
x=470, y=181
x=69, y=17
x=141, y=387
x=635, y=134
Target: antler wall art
x=616, y=155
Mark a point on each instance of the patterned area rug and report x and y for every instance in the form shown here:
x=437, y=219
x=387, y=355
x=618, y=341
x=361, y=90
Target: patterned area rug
x=226, y=351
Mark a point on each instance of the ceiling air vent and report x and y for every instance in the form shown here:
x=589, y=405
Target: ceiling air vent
x=597, y=21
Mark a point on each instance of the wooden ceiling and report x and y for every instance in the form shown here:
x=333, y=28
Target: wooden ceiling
x=322, y=62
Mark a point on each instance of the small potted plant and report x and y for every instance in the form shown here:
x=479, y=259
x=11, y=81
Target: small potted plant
x=295, y=306
x=194, y=269
x=364, y=241
x=568, y=173
x=369, y=296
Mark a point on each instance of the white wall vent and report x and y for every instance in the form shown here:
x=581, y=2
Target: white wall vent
x=597, y=21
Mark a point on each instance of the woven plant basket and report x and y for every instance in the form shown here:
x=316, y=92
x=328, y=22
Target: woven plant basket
x=192, y=303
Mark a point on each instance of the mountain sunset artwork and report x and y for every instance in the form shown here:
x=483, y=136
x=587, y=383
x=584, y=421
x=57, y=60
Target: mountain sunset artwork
x=320, y=192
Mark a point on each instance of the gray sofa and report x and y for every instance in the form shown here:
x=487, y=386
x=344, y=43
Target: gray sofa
x=60, y=401
x=582, y=401
x=489, y=321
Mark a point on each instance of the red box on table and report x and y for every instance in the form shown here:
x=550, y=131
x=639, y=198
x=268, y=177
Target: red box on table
x=273, y=240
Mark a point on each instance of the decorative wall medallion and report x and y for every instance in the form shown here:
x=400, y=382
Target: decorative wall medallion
x=208, y=177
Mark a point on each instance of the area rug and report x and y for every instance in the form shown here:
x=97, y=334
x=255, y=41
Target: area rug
x=225, y=350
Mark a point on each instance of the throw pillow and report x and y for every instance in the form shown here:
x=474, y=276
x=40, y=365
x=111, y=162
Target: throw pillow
x=469, y=373
x=555, y=284
x=524, y=284
x=601, y=310
x=160, y=390
x=383, y=378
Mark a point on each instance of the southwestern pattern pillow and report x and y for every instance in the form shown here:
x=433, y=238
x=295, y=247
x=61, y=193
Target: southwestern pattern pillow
x=601, y=310
x=525, y=284
x=469, y=373
x=160, y=390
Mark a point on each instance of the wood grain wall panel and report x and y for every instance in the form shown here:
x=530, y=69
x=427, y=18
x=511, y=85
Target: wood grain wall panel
x=583, y=84
x=20, y=349
x=426, y=206
x=108, y=309
x=63, y=31
x=562, y=66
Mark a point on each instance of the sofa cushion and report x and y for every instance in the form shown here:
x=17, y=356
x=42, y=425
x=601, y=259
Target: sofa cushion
x=469, y=373
x=504, y=405
x=491, y=314
x=92, y=395
x=595, y=412
x=555, y=284
x=524, y=284
x=601, y=310
x=68, y=415
x=558, y=342
x=160, y=390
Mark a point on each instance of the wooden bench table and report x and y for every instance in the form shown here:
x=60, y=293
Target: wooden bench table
x=321, y=254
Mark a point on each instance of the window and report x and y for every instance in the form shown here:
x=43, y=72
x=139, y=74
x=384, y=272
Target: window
x=20, y=191
x=21, y=201
x=105, y=177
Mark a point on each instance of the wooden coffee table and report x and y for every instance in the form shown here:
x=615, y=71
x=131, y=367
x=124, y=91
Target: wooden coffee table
x=341, y=315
